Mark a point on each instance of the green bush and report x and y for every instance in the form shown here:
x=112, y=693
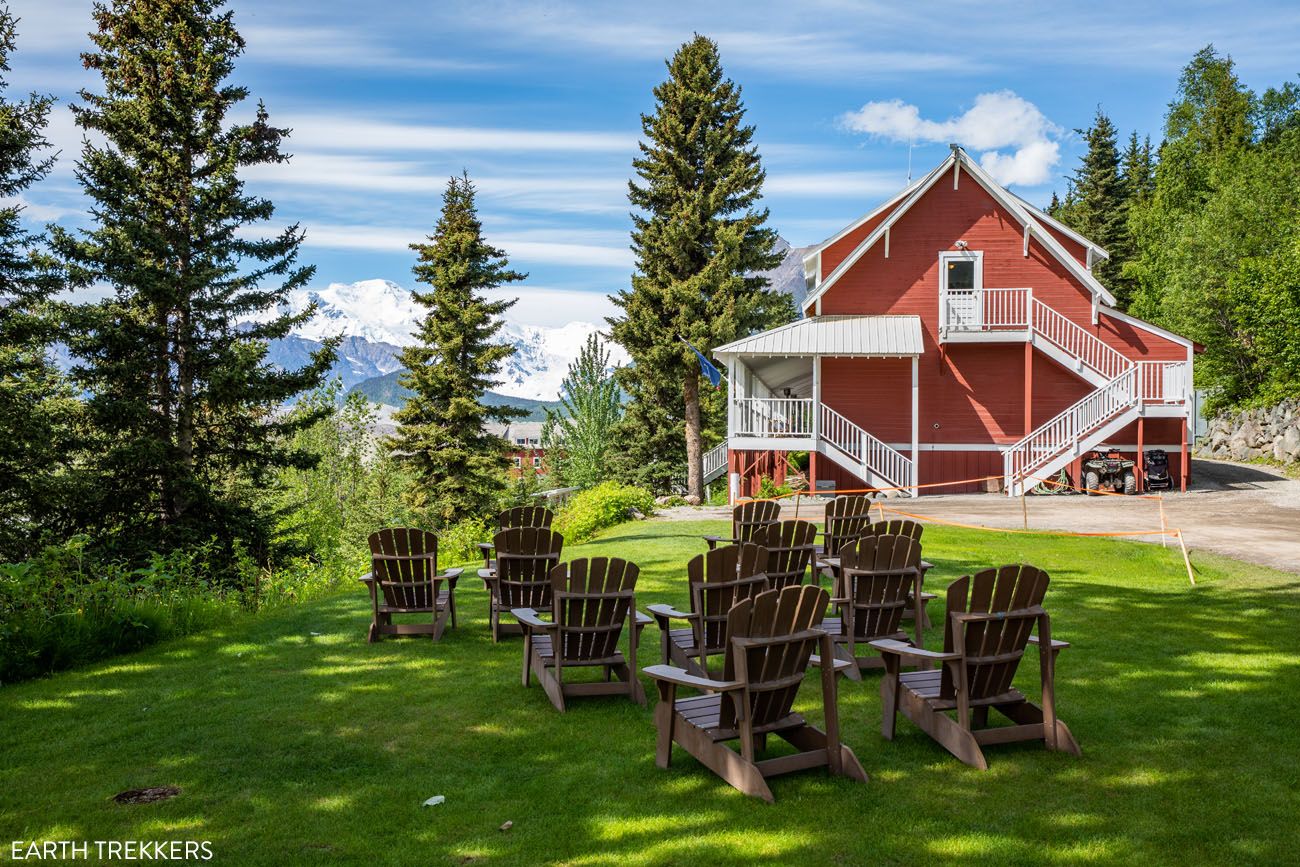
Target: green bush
x=609, y=503
x=63, y=608
x=769, y=490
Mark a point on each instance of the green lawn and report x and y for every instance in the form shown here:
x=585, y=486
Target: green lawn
x=294, y=741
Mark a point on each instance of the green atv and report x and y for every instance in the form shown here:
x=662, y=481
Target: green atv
x=1105, y=468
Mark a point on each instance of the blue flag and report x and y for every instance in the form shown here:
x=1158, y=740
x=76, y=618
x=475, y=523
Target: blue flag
x=706, y=367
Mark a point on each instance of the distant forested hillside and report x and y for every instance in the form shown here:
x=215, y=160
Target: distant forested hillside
x=386, y=389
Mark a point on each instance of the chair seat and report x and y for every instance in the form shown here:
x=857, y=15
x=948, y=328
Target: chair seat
x=544, y=647
x=443, y=596
x=834, y=627
x=704, y=712
x=926, y=684
x=684, y=640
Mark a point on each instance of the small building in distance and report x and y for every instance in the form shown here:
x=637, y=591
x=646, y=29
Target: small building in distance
x=525, y=438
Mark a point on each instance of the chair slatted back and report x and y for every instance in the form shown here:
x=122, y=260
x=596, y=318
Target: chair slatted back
x=525, y=516
x=592, y=600
x=525, y=557
x=406, y=582
x=879, y=571
x=990, y=618
x=847, y=517
x=747, y=518
x=791, y=546
x=769, y=640
x=718, y=580
x=896, y=527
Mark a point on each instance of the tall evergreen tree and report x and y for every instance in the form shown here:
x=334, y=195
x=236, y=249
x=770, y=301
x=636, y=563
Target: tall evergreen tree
x=1138, y=168
x=699, y=239
x=1099, y=205
x=459, y=467
x=37, y=407
x=186, y=405
x=578, y=438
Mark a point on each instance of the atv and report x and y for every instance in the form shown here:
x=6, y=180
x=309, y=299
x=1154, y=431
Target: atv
x=1107, y=468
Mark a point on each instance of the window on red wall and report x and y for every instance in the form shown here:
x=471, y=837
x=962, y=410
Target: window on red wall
x=519, y=462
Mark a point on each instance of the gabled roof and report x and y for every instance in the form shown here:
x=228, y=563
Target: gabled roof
x=871, y=336
x=875, y=212
x=1003, y=197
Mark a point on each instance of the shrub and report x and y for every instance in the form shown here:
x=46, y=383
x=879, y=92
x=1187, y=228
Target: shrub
x=63, y=608
x=768, y=489
x=609, y=503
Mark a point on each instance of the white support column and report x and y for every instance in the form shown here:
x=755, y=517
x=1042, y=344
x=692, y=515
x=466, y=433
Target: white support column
x=1026, y=240
x=732, y=396
x=817, y=402
x=916, y=423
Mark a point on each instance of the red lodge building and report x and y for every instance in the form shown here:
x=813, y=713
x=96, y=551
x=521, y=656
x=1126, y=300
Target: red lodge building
x=954, y=333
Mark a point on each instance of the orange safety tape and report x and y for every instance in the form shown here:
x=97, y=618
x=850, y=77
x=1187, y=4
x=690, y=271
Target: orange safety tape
x=1104, y=493
x=1172, y=531
x=799, y=494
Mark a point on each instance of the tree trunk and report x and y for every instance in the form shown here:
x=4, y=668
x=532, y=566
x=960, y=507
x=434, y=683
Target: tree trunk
x=694, y=454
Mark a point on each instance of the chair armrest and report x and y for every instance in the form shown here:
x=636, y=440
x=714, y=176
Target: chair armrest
x=1056, y=645
x=682, y=677
x=664, y=613
x=432, y=556
x=639, y=619
x=528, y=617
x=367, y=578
x=841, y=600
x=902, y=648
x=837, y=665
x=485, y=546
x=488, y=574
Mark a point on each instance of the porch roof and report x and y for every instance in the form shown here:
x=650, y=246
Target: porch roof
x=871, y=336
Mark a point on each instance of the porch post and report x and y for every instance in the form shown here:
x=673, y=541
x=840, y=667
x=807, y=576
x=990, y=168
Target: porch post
x=733, y=389
x=817, y=401
x=916, y=424
x=1029, y=387
x=1138, y=469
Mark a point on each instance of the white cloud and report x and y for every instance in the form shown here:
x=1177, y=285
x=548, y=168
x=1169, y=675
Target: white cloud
x=576, y=248
x=338, y=132
x=542, y=305
x=853, y=185
x=997, y=122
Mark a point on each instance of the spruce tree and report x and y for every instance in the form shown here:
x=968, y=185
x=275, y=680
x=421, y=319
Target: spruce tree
x=1099, y=206
x=186, y=406
x=459, y=467
x=37, y=407
x=578, y=438
x=699, y=239
x=1137, y=166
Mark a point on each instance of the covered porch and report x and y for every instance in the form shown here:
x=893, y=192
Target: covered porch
x=776, y=400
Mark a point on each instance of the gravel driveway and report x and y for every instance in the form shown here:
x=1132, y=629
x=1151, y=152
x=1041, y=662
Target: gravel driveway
x=1239, y=510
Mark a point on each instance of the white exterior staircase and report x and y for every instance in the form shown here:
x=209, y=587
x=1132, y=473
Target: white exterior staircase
x=862, y=454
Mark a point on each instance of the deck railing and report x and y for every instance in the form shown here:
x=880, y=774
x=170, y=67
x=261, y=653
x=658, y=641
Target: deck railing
x=972, y=310
x=774, y=417
x=1162, y=381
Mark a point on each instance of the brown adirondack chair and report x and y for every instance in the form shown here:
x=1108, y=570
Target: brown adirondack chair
x=521, y=574
x=591, y=599
x=911, y=529
x=746, y=519
x=876, y=574
x=791, y=547
x=770, y=640
x=404, y=579
x=847, y=517
x=718, y=580
x=519, y=516
x=989, y=621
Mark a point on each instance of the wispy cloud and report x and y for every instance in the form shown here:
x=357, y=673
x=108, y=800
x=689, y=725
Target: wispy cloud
x=851, y=185
x=995, y=122
x=334, y=47
x=341, y=132
x=573, y=248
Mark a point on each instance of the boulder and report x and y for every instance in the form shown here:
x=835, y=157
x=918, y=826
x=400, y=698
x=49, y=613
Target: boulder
x=691, y=500
x=1250, y=433
x=1287, y=447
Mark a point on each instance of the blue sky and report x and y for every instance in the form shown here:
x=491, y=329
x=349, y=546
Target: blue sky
x=540, y=102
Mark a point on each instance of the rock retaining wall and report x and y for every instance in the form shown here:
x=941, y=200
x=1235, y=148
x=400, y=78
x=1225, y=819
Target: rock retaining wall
x=1272, y=433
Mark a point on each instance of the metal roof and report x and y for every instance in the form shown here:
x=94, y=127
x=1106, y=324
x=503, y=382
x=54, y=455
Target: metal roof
x=835, y=335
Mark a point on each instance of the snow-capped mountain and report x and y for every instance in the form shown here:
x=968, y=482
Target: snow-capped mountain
x=378, y=317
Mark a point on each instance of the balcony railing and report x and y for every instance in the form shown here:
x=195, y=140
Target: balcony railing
x=774, y=417
x=975, y=310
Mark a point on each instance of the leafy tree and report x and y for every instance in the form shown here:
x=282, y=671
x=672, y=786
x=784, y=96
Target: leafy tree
x=459, y=467
x=37, y=407
x=578, y=438
x=700, y=241
x=183, y=399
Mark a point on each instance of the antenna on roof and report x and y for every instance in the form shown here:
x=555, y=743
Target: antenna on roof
x=910, y=145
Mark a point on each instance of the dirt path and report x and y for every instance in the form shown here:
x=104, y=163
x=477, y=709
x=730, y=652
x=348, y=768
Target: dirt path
x=1242, y=511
